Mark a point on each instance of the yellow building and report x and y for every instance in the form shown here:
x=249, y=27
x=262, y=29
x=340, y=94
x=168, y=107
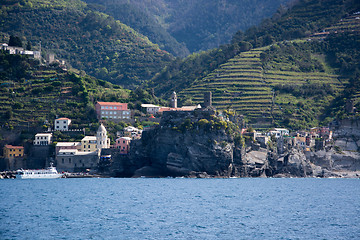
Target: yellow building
x=13, y=151
x=88, y=144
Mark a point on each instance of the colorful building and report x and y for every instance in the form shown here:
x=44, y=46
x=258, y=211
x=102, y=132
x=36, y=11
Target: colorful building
x=88, y=144
x=123, y=143
x=13, y=151
x=112, y=110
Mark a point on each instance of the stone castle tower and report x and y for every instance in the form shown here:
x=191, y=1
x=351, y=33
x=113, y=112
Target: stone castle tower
x=173, y=100
x=102, y=140
x=207, y=99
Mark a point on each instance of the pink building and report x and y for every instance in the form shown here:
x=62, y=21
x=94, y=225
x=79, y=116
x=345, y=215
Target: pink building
x=123, y=143
x=112, y=110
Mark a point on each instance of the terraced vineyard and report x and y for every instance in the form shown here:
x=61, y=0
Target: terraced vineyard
x=238, y=84
x=243, y=85
x=350, y=24
x=47, y=92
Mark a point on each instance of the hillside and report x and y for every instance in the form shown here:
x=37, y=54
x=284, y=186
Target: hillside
x=183, y=27
x=33, y=93
x=86, y=39
x=297, y=84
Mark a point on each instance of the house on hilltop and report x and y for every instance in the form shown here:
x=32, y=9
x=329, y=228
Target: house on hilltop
x=62, y=124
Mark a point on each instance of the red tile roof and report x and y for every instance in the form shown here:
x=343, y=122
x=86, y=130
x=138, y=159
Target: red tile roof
x=110, y=103
x=10, y=146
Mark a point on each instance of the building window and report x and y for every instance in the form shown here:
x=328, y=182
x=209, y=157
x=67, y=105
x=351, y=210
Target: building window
x=110, y=107
x=106, y=107
x=57, y=126
x=102, y=107
x=57, y=122
x=69, y=160
x=62, y=160
x=115, y=107
x=88, y=146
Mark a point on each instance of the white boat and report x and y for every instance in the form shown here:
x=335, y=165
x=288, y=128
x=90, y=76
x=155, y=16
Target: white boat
x=48, y=173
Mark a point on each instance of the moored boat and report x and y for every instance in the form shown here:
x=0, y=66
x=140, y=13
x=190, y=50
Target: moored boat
x=48, y=173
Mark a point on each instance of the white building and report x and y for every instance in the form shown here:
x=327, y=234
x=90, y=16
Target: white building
x=278, y=132
x=102, y=140
x=43, y=139
x=151, y=108
x=62, y=124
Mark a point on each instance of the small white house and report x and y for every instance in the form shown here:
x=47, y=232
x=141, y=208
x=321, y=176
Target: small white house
x=43, y=139
x=278, y=132
x=151, y=108
x=62, y=124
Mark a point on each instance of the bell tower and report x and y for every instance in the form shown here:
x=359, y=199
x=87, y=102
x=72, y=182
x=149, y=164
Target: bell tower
x=102, y=141
x=173, y=100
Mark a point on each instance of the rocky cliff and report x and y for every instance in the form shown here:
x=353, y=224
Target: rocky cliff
x=187, y=143
x=203, y=144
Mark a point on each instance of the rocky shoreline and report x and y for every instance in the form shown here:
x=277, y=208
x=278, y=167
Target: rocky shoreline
x=182, y=146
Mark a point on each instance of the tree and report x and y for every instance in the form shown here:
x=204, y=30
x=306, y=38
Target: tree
x=15, y=41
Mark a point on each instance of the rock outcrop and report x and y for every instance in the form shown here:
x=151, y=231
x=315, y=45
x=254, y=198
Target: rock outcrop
x=181, y=146
x=200, y=144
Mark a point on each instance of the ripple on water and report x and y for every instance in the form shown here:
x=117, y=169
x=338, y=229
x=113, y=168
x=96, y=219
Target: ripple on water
x=180, y=209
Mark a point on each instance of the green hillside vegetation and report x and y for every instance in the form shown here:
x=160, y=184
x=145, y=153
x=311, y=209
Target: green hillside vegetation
x=287, y=84
x=142, y=21
x=32, y=93
x=183, y=27
x=304, y=18
x=86, y=39
x=296, y=84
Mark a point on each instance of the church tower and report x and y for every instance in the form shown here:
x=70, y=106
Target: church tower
x=207, y=99
x=102, y=140
x=173, y=100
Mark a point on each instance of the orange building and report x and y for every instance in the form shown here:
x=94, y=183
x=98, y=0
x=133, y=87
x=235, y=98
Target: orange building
x=13, y=151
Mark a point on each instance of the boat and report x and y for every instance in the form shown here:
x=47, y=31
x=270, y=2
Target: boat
x=48, y=173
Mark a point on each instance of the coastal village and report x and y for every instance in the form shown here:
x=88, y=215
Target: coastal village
x=96, y=154
x=92, y=152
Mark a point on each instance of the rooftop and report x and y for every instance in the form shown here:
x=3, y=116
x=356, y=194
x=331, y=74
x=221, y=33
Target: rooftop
x=43, y=134
x=62, y=119
x=125, y=138
x=67, y=144
x=13, y=147
x=148, y=105
x=87, y=138
x=111, y=103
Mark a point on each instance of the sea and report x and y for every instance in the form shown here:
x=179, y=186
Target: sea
x=180, y=208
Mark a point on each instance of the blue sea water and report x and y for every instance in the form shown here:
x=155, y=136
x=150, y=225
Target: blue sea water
x=180, y=209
